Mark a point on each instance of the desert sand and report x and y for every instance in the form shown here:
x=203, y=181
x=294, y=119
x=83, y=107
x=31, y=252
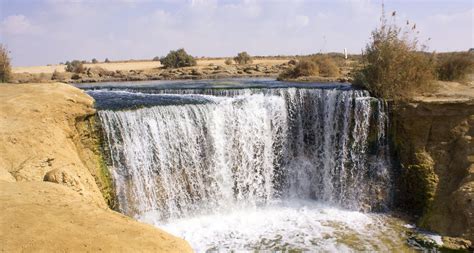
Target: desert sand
x=40, y=141
x=132, y=65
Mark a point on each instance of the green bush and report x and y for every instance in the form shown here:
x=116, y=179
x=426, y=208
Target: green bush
x=178, y=59
x=156, y=58
x=243, y=58
x=75, y=67
x=392, y=64
x=5, y=67
x=94, y=61
x=106, y=60
x=454, y=66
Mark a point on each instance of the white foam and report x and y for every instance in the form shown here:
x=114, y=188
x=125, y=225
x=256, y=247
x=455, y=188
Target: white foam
x=302, y=225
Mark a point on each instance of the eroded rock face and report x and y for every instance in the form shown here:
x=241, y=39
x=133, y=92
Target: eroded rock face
x=39, y=135
x=53, y=182
x=433, y=141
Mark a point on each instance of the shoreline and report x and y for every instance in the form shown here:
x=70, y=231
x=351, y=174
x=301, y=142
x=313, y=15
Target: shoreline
x=127, y=72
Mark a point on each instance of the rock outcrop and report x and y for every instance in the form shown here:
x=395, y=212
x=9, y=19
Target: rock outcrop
x=54, y=186
x=433, y=139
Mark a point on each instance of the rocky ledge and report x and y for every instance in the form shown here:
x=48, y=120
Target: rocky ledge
x=98, y=74
x=433, y=140
x=53, y=187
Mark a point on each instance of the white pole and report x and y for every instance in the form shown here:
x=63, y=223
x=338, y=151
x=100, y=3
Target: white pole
x=345, y=53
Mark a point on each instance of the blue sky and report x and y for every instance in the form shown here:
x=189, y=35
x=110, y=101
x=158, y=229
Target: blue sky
x=39, y=32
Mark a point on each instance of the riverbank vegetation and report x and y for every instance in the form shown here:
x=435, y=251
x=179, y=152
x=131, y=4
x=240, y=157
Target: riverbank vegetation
x=394, y=65
x=315, y=65
x=5, y=67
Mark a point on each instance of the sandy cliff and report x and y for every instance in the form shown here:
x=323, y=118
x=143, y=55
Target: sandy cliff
x=46, y=134
x=433, y=138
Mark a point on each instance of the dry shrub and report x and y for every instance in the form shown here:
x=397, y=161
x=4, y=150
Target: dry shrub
x=5, y=67
x=243, y=58
x=454, y=66
x=306, y=68
x=40, y=78
x=228, y=61
x=327, y=66
x=99, y=71
x=302, y=68
x=315, y=65
x=392, y=64
x=75, y=67
x=59, y=76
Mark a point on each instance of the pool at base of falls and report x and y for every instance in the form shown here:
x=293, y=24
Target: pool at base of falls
x=296, y=225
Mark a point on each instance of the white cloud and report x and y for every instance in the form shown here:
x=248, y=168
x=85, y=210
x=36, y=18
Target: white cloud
x=17, y=24
x=301, y=20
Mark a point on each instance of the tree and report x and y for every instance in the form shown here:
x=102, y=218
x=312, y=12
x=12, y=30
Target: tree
x=394, y=65
x=5, y=67
x=178, y=59
x=106, y=60
x=156, y=58
x=243, y=58
x=94, y=61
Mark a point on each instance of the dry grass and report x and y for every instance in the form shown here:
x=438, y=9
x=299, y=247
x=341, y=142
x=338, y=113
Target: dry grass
x=393, y=64
x=5, y=67
x=455, y=66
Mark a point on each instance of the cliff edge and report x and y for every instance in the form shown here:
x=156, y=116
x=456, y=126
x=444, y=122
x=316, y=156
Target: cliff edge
x=53, y=187
x=433, y=139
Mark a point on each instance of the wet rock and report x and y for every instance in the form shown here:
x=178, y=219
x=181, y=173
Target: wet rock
x=457, y=244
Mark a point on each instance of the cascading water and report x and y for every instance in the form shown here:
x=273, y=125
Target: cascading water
x=254, y=168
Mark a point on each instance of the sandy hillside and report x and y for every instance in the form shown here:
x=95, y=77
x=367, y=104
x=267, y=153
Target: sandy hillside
x=450, y=92
x=133, y=65
x=47, y=217
x=40, y=141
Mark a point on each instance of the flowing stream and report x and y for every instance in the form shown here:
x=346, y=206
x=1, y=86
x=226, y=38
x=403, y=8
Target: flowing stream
x=253, y=166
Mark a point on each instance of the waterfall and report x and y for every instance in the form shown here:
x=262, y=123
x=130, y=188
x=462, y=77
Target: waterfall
x=249, y=148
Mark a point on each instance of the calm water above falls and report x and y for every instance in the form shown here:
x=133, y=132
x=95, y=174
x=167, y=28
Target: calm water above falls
x=252, y=164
